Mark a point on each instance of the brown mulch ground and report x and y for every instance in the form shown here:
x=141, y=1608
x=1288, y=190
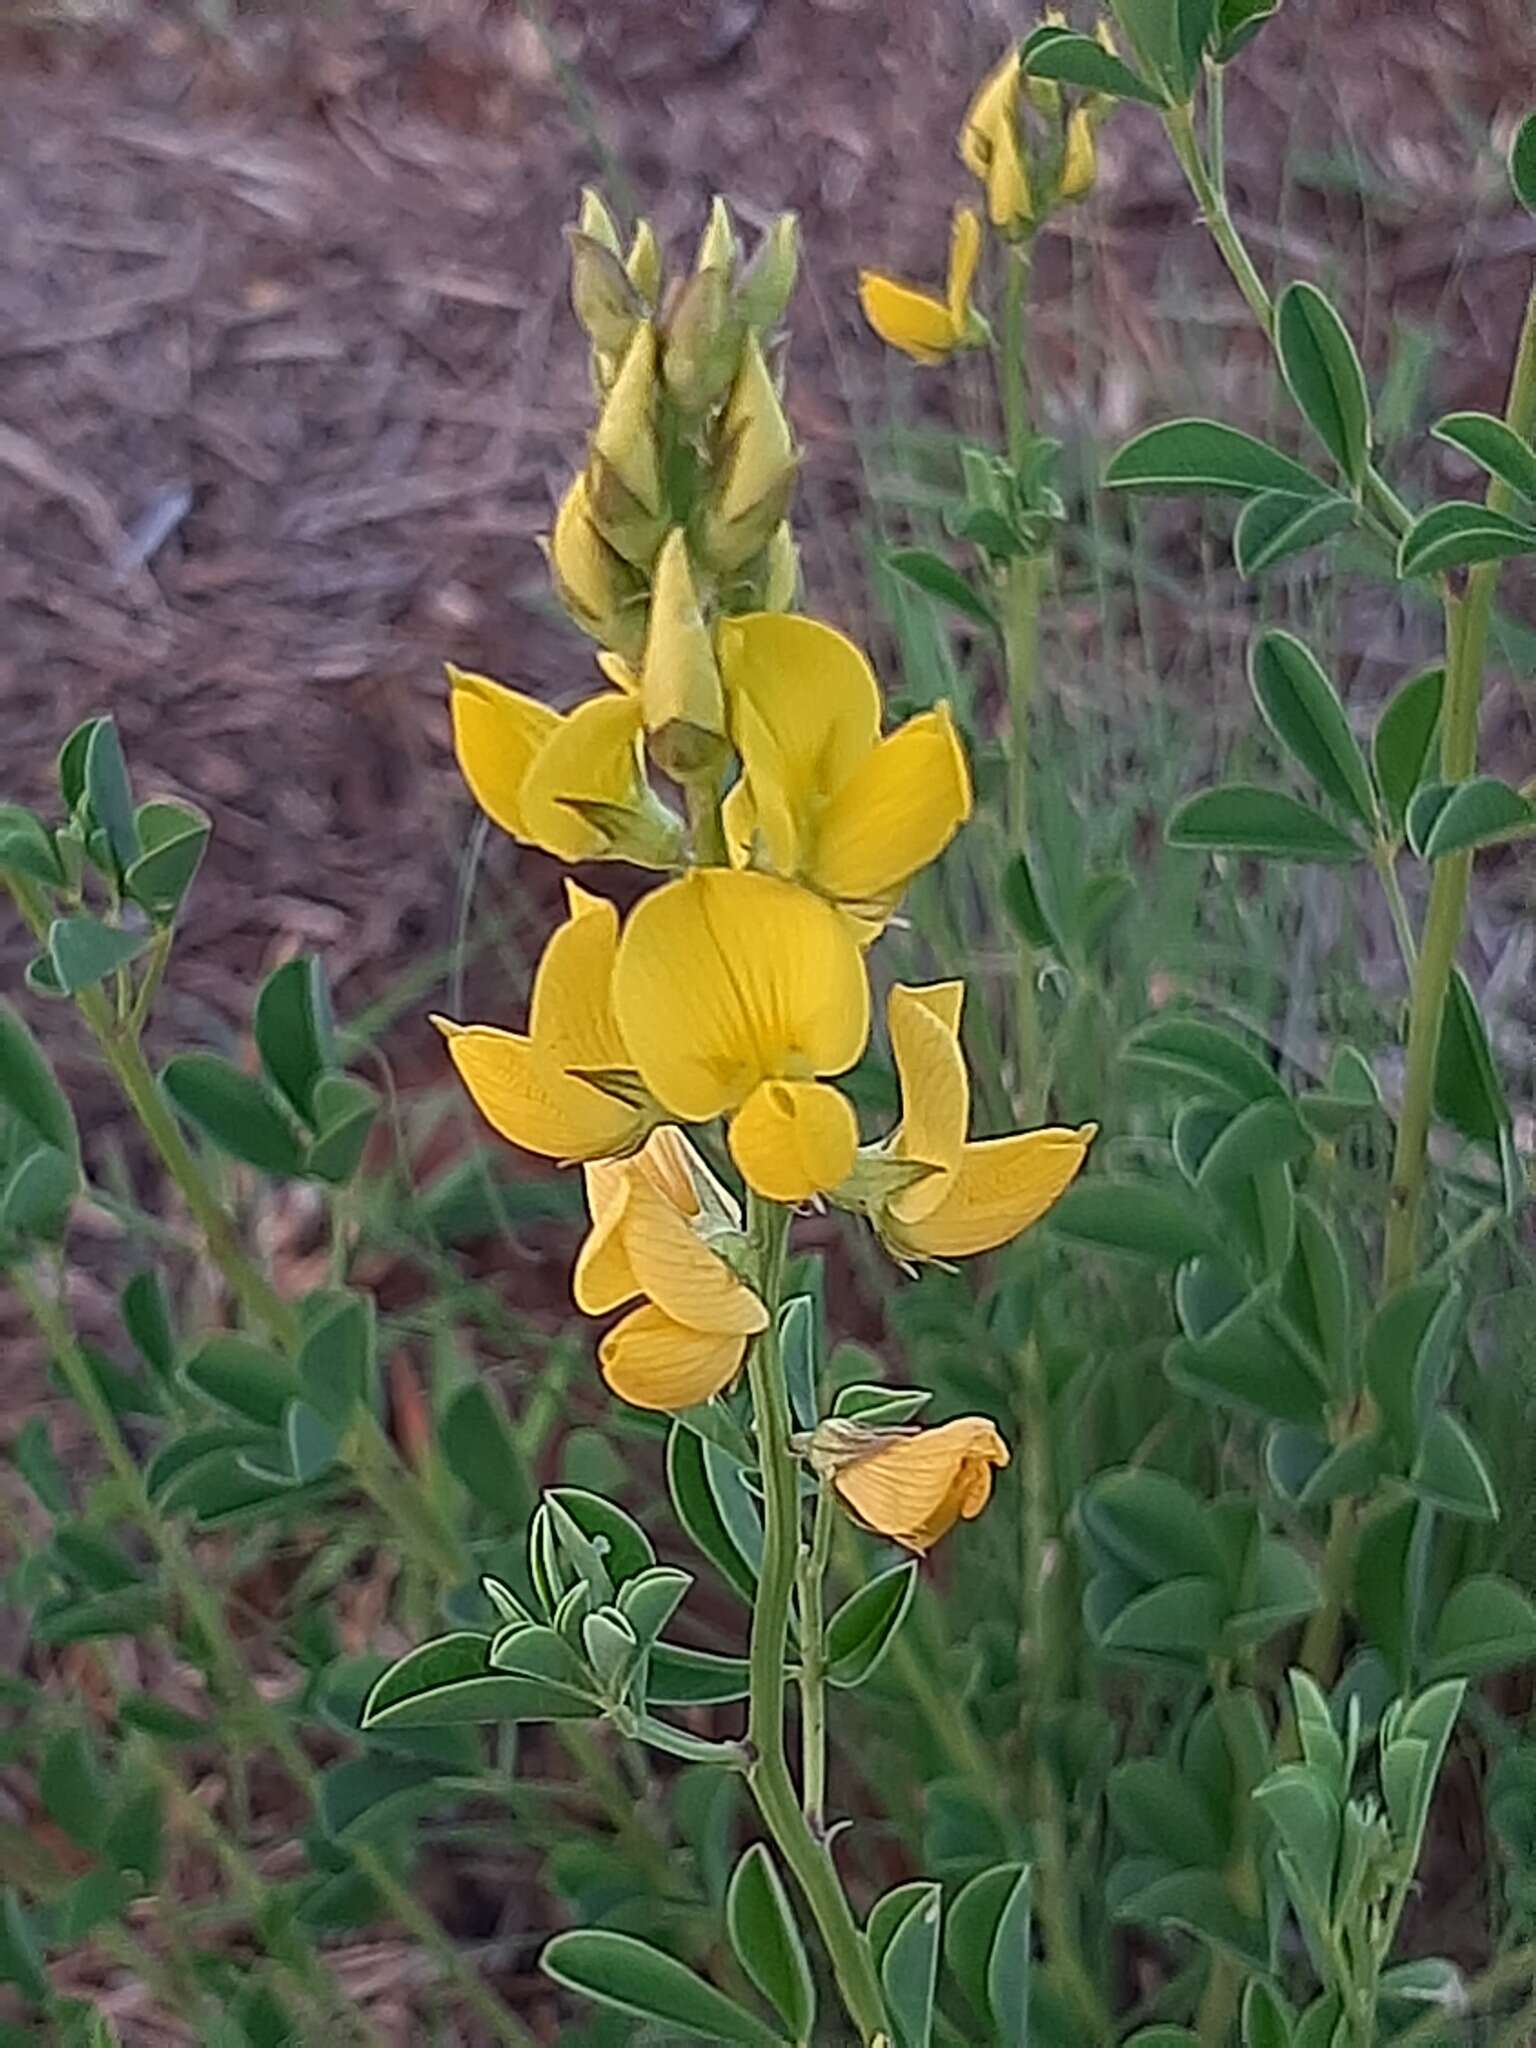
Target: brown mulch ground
x=288, y=384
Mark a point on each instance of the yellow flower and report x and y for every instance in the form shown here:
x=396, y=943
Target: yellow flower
x=974, y=1195
x=927, y=328
x=572, y=783
x=681, y=698
x=1079, y=158
x=911, y=1485
x=822, y=798
x=656, y=1220
x=991, y=148
x=531, y=1089
x=734, y=992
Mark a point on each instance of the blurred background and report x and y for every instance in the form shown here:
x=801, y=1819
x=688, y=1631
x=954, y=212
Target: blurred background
x=289, y=385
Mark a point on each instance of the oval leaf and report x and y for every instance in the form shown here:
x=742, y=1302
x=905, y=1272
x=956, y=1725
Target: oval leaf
x=1486, y=1625
x=1276, y=525
x=1078, y=60
x=1482, y=812
x=932, y=575
x=767, y=1941
x=619, y=1971
x=863, y=1628
x=1304, y=711
x=1136, y=1217
x=1405, y=737
x=1204, y=455
x=1493, y=446
x=1323, y=371
x=234, y=1110
x=1522, y=163
x=1239, y=817
x=28, y=1088
x=1456, y=535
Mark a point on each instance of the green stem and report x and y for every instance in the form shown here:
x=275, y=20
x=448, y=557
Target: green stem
x=768, y=1775
x=810, y=1582
x=1224, y=1987
x=1383, y=859
x=1513, y=1972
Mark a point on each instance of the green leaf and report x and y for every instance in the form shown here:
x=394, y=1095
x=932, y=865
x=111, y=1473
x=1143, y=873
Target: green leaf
x=1522, y=163
x=134, y=1837
x=907, y=1956
x=682, y=1677
x=1204, y=455
x=987, y=1947
x=1468, y=1092
x=931, y=574
x=1198, y=1902
x=1240, y=817
x=338, y=1366
x=443, y=1683
x=1283, y=1590
x=1277, y=524
x=797, y=1346
x=1405, y=737
x=27, y=848
x=864, y=1627
x=1304, y=1811
x=1481, y=812
x=1247, y=1361
x=367, y=1796
x=622, y=1544
x=1494, y=446
x=83, y=951
x=131, y=1612
x=294, y=1034
x=698, y=1510
x=34, y=1457
x=21, y=1952
x=28, y=1088
x=1211, y=1063
x=233, y=1109
x=149, y=1715
x=146, y=1315
x=767, y=1942
x=1177, y=1622
x=1149, y=1524
x=175, y=837
x=629, y=1975
x=108, y=795
x=1263, y=1135
x=37, y=1195
x=1323, y=371
x=1455, y=535
x=1158, y=1809
x=1078, y=60
x=1021, y=900
x=1139, y=1218
x=71, y=766
x=649, y=1600
x=481, y=1450
x=70, y=1785
x=1486, y=1625
x=1305, y=713
x=1237, y=23
x=1451, y=1472
x=345, y=1112
x=245, y=1377
x=1316, y=1292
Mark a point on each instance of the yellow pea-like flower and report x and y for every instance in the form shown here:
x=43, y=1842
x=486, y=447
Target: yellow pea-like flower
x=572, y=783
x=534, y=1089
x=736, y=994
x=1079, y=156
x=923, y=326
x=991, y=147
x=823, y=798
x=658, y=1220
x=911, y=1485
x=971, y=1195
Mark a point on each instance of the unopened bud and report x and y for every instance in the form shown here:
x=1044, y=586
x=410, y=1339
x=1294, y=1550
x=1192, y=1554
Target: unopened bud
x=1079, y=156
x=642, y=265
x=602, y=594
x=756, y=471
x=703, y=343
x=768, y=281
x=596, y=222
x=681, y=696
x=718, y=248
x=605, y=302
x=625, y=492
x=781, y=570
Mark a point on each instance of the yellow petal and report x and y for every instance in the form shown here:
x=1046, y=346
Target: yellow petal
x=726, y=979
x=496, y=734
x=915, y=1489
x=999, y=1189
x=935, y=1090
x=897, y=811
x=680, y=689
x=794, y=1139
x=805, y=709
x=680, y=1274
x=570, y=1015
x=592, y=757
x=603, y=1277
x=907, y=318
x=1009, y=204
x=618, y=672
x=995, y=100
x=1079, y=162
x=652, y=1362
x=531, y=1102
x=964, y=255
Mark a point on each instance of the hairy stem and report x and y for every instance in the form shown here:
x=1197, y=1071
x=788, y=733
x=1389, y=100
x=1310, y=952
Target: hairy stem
x=768, y=1775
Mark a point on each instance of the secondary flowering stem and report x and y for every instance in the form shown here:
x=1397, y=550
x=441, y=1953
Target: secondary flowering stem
x=768, y=1774
x=810, y=1580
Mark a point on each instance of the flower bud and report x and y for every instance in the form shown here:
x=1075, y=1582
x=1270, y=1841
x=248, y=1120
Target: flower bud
x=682, y=699
x=596, y=222
x=625, y=493
x=1079, y=156
x=703, y=343
x=769, y=279
x=756, y=471
x=642, y=265
x=781, y=570
x=991, y=148
x=602, y=594
x=718, y=248
x=604, y=300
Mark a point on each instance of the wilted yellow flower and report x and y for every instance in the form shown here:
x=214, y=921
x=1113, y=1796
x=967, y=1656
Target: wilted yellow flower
x=573, y=783
x=992, y=150
x=911, y=1485
x=597, y=587
x=658, y=1220
x=974, y=1195
x=755, y=473
x=927, y=328
x=681, y=697
x=735, y=993
x=625, y=497
x=822, y=798
x=533, y=1090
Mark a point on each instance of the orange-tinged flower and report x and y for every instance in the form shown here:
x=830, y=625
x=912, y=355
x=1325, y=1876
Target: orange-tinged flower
x=534, y=1090
x=659, y=1220
x=913, y=1485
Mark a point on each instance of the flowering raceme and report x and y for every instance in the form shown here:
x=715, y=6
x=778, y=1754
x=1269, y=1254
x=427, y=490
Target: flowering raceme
x=822, y=798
